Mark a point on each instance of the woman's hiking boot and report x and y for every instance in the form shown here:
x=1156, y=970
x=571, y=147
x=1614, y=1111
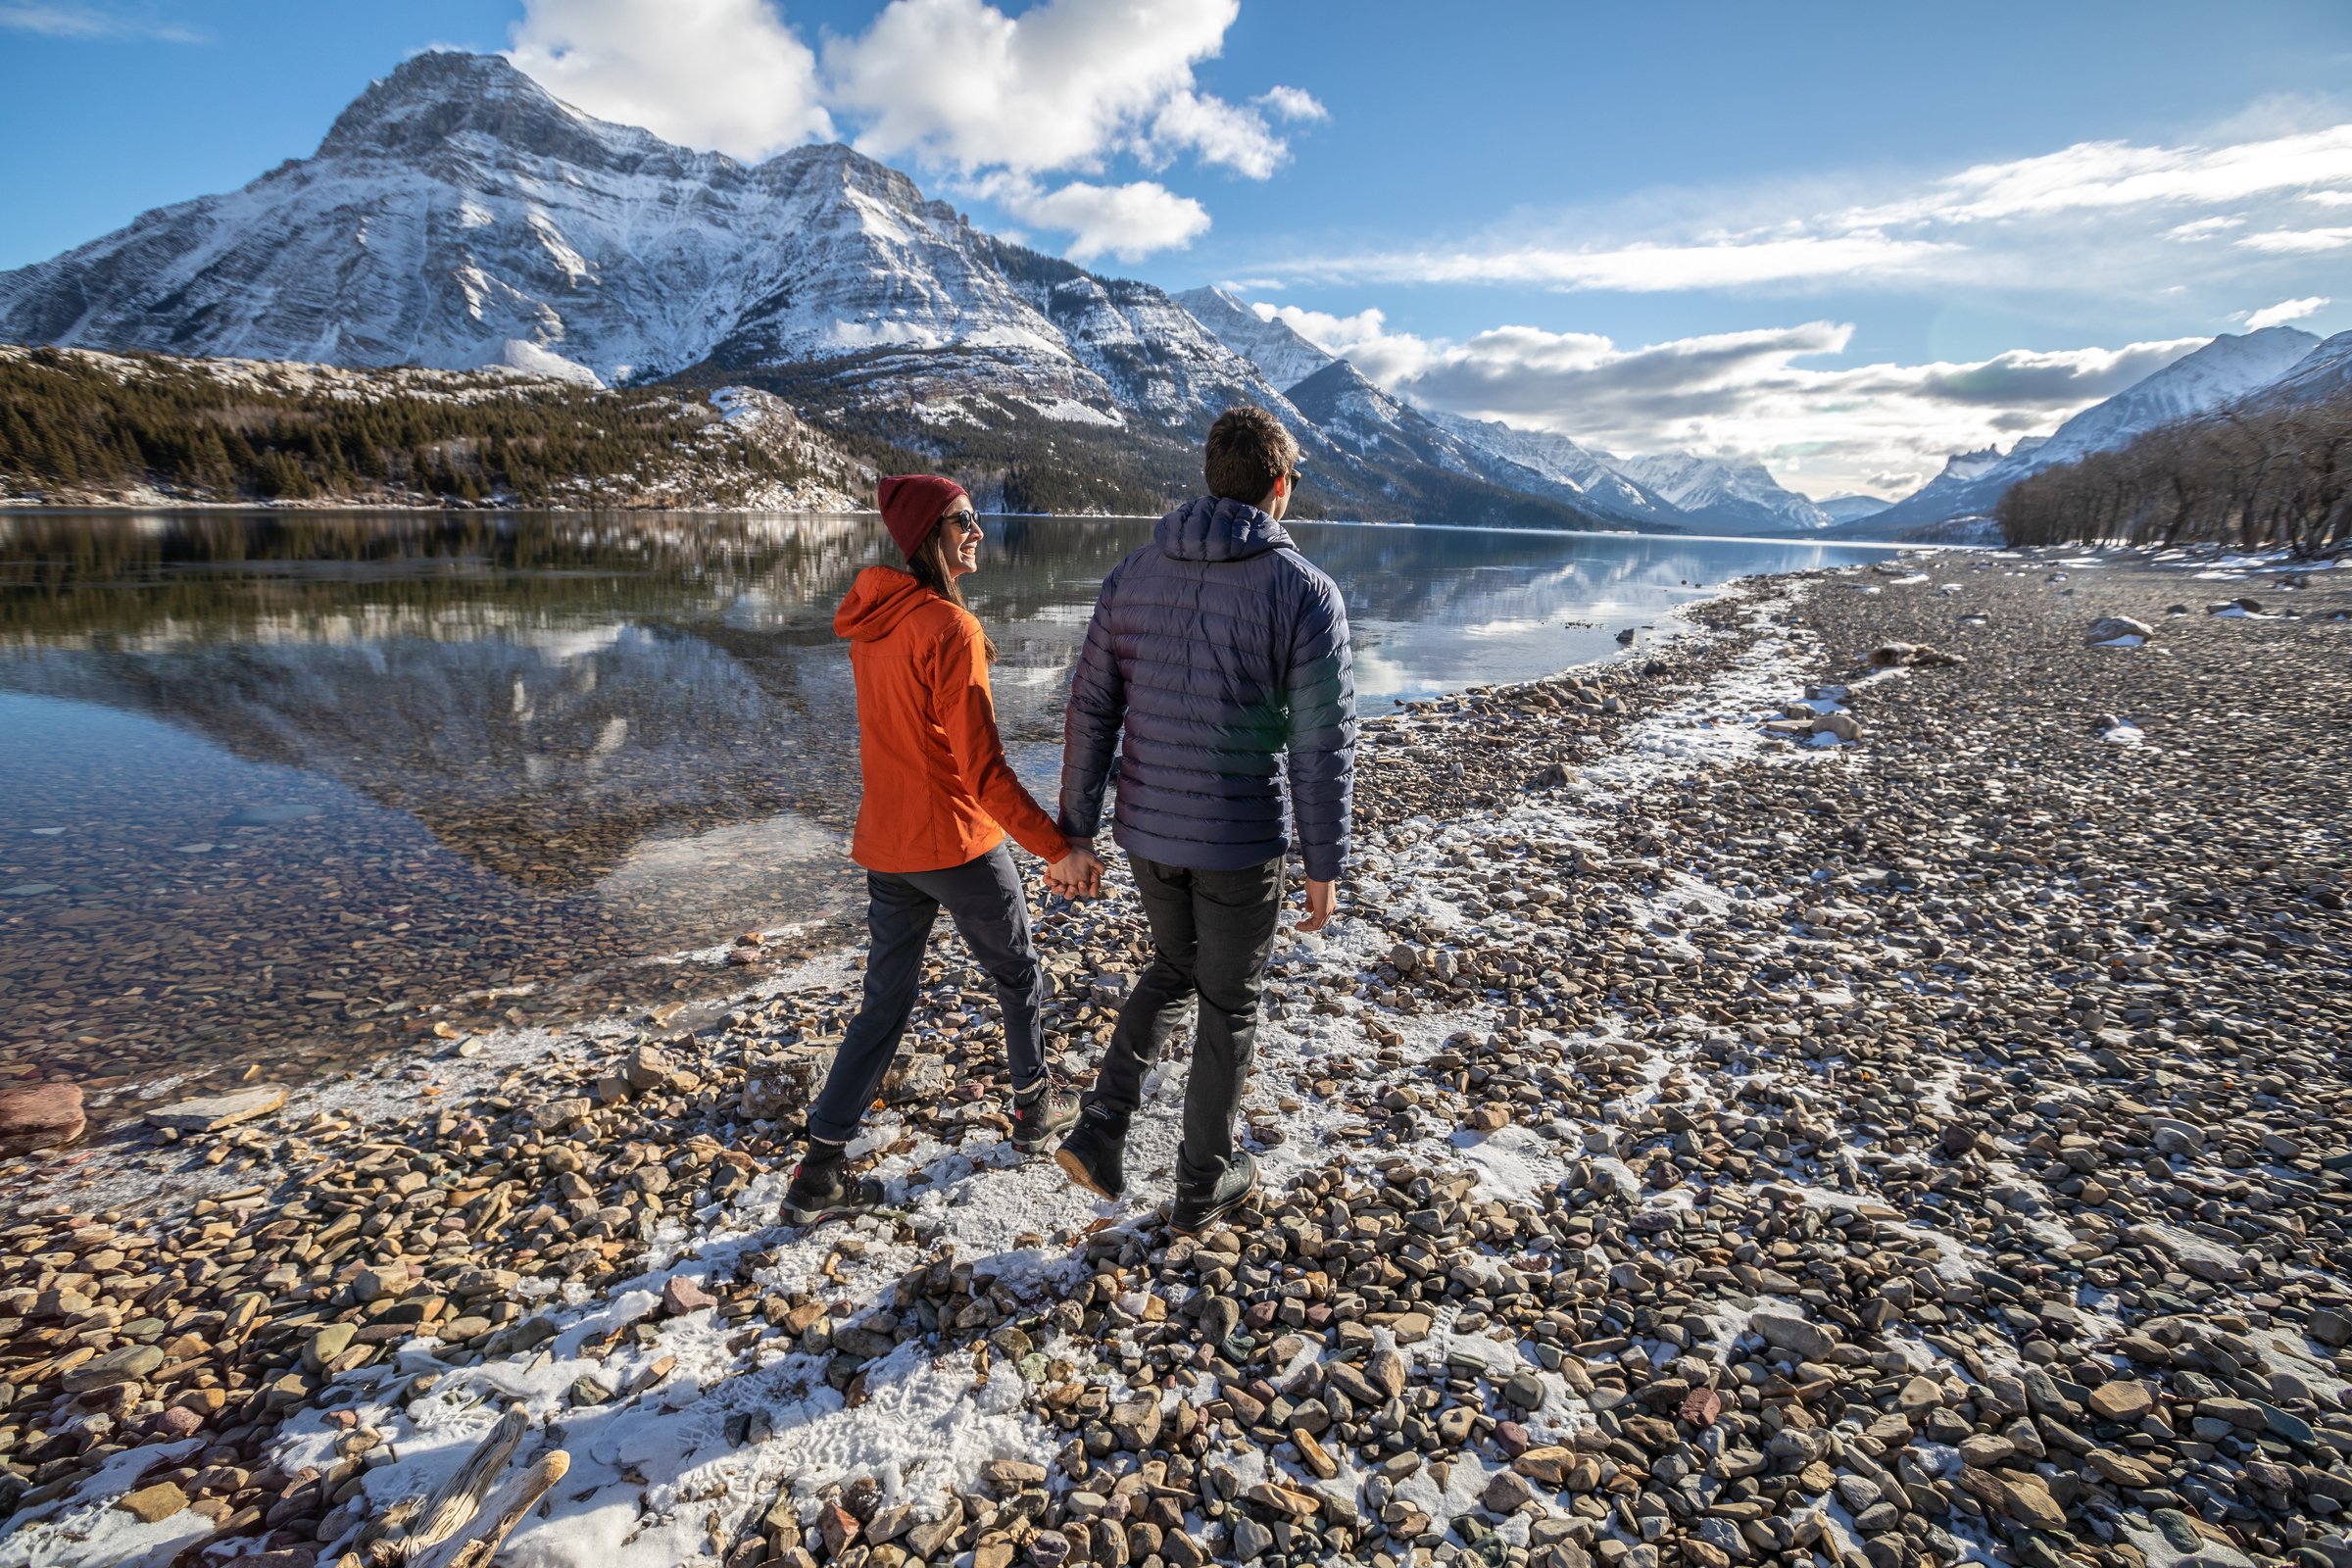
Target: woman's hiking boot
x=820, y=1192
x=1093, y=1155
x=1042, y=1113
x=1198, y=1208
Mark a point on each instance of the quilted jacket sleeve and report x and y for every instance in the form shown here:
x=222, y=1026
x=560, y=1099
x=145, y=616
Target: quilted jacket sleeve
x=1321, y=692
x=1090, y=729
x=968, y=714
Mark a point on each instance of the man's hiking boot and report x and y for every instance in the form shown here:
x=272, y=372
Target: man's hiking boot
x=1095, y=1153
x=817, y=1191
x=1041, y=1114
x=1197, y=1208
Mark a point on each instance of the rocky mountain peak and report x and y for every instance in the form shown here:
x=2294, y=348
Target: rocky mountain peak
x=1286, y=358
x=441, y=95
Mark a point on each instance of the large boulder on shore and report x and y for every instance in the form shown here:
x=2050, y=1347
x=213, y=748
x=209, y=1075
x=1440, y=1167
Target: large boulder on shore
x=39, y=1117
x=2117, y=631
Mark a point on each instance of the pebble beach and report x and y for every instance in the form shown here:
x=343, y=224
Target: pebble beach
x=1863, y=1081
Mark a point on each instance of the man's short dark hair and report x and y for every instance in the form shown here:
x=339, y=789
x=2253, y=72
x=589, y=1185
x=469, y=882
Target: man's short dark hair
x=1248, y=451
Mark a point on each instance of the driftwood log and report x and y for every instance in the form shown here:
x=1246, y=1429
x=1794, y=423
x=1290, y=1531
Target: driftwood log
x=449, y=1528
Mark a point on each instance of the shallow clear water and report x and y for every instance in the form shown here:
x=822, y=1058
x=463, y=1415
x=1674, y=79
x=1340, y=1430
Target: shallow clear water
x=272, y=786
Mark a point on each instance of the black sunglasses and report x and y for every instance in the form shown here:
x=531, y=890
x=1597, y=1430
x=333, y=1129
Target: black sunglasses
x=965, y=520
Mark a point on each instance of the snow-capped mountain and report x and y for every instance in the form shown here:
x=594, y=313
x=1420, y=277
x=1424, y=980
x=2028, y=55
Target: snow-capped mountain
x=2220, y=374
x=457, y=216
x=1428, y=455
x=1561, y=460
x=1273, y=346
x=1852, y=509
x=1363, y=419
x=1427, y=462
x=1722, y=493
x=1347, y=406
x=2324, y=372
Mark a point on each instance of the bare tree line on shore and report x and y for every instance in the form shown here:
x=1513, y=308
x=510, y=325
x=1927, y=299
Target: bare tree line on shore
x=2249, y=478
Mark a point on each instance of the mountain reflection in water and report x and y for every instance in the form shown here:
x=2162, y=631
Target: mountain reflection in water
x=274, y=784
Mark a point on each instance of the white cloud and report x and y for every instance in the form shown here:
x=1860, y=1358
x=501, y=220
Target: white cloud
x=2096, y=217
x=1642, y=269
x=1216, y=132
x=91, y=20
x=958, y=86
x=720, y=73
x=1122, y=221
x=1292, y=103
x=2289, y=241
x=2112, y=173
x=1063, y=86
x=1880, y=427
x=2285, y=311
x=2203, y=229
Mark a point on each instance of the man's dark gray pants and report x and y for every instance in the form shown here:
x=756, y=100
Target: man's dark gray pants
x=1212, y=932
x=984, y=898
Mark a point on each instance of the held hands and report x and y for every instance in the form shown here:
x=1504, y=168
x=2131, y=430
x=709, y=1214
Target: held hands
x=1077, y=874
x=1321, y=901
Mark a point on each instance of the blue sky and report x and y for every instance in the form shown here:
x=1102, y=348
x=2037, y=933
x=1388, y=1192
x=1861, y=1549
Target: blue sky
x=1843, y=239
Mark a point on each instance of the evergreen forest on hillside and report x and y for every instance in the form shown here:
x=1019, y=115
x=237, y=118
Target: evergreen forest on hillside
x=90, y=424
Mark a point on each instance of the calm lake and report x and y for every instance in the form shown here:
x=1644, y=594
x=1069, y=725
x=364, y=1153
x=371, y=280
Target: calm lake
x=273, y=786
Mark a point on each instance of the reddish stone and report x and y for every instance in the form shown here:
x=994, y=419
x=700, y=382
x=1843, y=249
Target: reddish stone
x=680, y=1295
x=176, y=1423
x=838, y=1527
x=1700, y=1406
x=39, y=1117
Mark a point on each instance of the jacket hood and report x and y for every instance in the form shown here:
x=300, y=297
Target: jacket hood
x=1213, y=529
x=880, y=598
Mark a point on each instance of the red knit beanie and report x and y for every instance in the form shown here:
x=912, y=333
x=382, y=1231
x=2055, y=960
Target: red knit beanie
x=911, y=503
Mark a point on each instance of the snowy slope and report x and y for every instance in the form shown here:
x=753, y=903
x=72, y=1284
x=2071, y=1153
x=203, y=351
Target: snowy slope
x=1364, y=419
x=1852, y=509
x=1723, y=493
x=1560, y=459
x=2221, y=373
x=1444, y=478
x=2324, y=372
x=1286, y=358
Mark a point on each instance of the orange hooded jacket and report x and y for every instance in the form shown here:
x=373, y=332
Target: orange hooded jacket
x=937, y=790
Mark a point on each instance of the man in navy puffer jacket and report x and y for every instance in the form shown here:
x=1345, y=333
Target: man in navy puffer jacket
x=1216, y=669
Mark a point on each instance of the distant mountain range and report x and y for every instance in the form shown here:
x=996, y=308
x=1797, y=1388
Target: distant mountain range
x=1852, y=509
x=458, y=216
x=1671, y=489
x=2221, y=372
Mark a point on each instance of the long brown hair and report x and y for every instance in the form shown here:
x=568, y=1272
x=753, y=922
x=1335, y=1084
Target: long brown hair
x=928, y=566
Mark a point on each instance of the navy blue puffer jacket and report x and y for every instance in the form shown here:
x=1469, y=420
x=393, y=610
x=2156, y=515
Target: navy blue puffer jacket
x=1223, y=655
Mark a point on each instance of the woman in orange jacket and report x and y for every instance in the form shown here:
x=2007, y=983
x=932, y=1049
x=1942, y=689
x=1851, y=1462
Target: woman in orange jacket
x=938, y=801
